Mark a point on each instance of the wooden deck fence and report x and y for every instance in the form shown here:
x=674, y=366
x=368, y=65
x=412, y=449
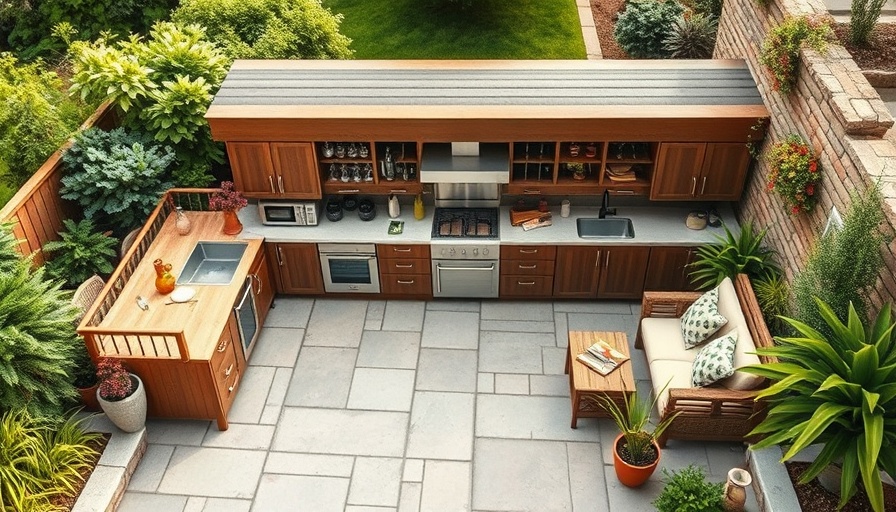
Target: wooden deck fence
x=36, y=209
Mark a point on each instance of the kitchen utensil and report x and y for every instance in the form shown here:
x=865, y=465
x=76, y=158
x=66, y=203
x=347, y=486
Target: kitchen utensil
x=142, y=304
x=182, y=302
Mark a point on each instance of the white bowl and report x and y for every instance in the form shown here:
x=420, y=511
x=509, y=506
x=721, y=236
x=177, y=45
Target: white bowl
x=182, y=294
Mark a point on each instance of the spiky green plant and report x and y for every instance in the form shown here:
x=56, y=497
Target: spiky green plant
x=838, y=391
x=692, y=37
x=773, y=295
x=732, y=255
x=80, y=253
x=37, y=340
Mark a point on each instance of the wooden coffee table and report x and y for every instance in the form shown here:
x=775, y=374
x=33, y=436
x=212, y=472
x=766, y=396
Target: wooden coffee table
x=586, y=382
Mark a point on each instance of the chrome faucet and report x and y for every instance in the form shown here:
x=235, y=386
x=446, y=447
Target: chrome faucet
x=605, y=206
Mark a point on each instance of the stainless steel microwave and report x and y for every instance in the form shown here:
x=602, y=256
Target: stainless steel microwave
x=292, y=213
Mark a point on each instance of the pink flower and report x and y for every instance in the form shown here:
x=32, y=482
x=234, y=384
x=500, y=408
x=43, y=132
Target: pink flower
x=227, y=199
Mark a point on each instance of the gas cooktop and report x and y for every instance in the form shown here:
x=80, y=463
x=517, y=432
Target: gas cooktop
x=465, y=224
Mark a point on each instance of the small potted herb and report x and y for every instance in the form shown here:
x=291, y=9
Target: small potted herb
x=121, y=395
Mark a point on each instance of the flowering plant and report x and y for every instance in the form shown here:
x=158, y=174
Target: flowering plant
x=114, y=380
x=781, y=48
x=794, y=173
x=227, y=199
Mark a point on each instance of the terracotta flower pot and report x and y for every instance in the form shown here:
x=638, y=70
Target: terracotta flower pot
x=129, y=413
x=232, y=224
x=629, y=475
x=89, y=398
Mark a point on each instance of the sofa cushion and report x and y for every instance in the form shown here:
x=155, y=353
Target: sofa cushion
x=661, y=371
x=702, y=319
x=715, y=361
x=662, y=340
x=729, y=306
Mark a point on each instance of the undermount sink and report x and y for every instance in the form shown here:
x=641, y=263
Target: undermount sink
x=212, y=263
x=616, y=227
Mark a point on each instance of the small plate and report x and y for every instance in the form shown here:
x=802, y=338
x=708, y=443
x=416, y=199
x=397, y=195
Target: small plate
x=182, y=294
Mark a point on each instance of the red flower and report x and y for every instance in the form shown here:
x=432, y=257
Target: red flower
x=795, y=210
x=803, y=150
x=810, y=189
x=813, y=167
x=771, y=185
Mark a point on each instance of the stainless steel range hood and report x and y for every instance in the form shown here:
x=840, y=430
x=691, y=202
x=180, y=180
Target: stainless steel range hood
x=440, y=165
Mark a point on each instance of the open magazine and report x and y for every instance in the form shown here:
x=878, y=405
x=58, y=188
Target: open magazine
x=602, y=357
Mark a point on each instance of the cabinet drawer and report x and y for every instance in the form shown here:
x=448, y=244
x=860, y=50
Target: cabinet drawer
x=227, y=388
x=224, y=350
x=406, y=284
x=526, y=286
x=528, y=252
x=405, y=266
x=527, y=267
x=387, y=251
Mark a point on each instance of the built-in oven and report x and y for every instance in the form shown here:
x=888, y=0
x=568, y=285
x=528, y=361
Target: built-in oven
x=349, y=268
x=247, y=315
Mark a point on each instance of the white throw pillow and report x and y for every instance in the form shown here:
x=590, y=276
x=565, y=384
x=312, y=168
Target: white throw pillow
x=702, y=319
x=715, y=361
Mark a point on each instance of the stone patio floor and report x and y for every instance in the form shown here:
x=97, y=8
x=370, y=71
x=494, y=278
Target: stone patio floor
x=442, y=406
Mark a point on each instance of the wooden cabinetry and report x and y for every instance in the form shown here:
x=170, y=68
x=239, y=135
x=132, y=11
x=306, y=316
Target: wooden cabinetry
x=611, y=272
x=296, y=268
x=573, y=167
x=227, y=365
x=369, y=167
x=405, y=271
x=274, y=169
x=527, y=271
x=263, y=285
x=668, y=269
x=697, y=170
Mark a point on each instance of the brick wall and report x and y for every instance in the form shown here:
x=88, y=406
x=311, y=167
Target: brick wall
x=835, y=108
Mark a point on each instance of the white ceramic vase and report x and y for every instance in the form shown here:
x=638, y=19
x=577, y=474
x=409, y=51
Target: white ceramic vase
x=128, y=414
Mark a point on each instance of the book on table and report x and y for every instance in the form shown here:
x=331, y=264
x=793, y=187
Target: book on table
x=602, y=357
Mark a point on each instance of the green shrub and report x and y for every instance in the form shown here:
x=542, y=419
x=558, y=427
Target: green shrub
x=709, y=7
x=41, y=458
x=644, y=25
x=844, y=264
x=117, y=177
x=29, y=25
x=773, y=296
x=732, y=255
x=81, y=252
x=688, y=491
x=862, y=18
x=37, y=340
x=164, y=85
x=692, y=37
x=268, y=29
x=781, y=49
x=35, y=119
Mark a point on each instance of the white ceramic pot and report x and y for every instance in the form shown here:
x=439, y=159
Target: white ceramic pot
x=128, y=414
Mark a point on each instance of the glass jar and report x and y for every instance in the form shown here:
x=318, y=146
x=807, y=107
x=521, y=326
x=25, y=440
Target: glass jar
x=165, y=280
x=182, y=222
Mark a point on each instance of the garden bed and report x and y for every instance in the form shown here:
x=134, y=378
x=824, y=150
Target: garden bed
x=605, y=13
x=812, y=496
x=879, y=54
x=66, y=503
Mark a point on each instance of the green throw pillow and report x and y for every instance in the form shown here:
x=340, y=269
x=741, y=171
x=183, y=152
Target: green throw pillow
x=715, y=361
x=702, y=319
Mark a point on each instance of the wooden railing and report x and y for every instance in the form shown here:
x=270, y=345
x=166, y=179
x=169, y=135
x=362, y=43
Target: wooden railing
x=135, y=343
x=36, y=210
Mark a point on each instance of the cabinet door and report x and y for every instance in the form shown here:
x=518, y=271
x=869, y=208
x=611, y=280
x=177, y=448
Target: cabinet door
x=677, y=169
x=623, y=272
x=577, y=272
x=298, y=268
x=668, y=269
x=296, y=170
x=253, y=169
x=724, y=171
x=264, y=286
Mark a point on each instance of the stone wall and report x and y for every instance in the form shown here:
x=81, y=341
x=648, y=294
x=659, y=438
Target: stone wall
x=835, y=108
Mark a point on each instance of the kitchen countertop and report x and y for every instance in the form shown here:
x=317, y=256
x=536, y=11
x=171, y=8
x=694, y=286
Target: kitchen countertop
x=654, y=225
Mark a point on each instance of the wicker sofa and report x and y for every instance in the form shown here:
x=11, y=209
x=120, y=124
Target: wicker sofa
x=725, y=411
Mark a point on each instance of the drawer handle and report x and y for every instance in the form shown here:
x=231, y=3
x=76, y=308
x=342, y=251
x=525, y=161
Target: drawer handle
x=624, y=193
x=350, y=191
x=399, y=191
x=396, y=249
x=694, y=186
x=531, y=191
x=228, y=370
x=406, y=282
x=703, y=186
x=528, y=267
x=526, y=283
x=233, y=386
x=223, y=345
x=403, y=266
x=528, y=251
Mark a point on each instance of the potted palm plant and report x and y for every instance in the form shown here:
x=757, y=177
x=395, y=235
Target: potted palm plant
x=121, y=395
x=636, y=453
x=837, y=391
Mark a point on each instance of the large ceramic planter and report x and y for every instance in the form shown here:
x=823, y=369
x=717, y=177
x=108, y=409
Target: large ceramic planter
x=128, y=414
x=629, y=475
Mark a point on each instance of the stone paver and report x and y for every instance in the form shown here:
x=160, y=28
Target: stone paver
x=374, y=406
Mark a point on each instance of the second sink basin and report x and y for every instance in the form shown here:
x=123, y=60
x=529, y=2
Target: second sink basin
x=212, y=263
x=591, y=227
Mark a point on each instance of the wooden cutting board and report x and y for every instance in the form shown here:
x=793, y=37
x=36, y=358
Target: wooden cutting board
x=518, y=217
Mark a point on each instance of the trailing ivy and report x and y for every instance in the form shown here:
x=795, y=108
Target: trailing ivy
x=117, y=177
x=163, y=84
